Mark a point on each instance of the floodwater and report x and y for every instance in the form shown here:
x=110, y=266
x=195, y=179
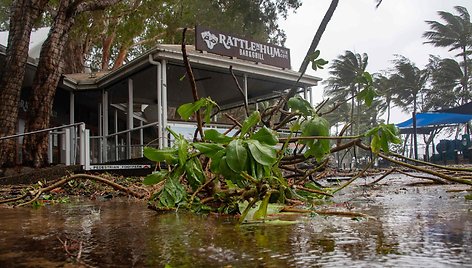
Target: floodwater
x=420, y=226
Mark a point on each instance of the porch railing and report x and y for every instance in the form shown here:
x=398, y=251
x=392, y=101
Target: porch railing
x=73, y=142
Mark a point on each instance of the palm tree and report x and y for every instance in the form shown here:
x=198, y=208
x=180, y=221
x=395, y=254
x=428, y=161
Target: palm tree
x=409, y=81
x=455, y=33
x=342, y=84
x=386, y=88
x=447, y=79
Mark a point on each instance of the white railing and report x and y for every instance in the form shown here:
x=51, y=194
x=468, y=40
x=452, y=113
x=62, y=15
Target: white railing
x=71, y=142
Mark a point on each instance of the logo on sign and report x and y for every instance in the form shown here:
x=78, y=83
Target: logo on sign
x=210, y=39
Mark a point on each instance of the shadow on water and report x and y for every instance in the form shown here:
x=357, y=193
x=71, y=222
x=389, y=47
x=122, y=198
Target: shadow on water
x=414, y=226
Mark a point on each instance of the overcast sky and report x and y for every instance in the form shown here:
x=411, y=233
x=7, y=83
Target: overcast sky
x=396, y=27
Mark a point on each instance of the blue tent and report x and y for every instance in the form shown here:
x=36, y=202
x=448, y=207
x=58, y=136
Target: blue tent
x=435, y=119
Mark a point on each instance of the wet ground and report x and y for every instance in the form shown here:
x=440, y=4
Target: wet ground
x=421, y=226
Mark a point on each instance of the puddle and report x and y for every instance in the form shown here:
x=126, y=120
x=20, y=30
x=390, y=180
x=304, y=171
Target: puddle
x=422, y=226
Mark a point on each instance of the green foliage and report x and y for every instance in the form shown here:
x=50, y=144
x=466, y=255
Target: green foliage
x=188, y=109
x=194, y=171
x=155, y=177
x=236, y=156
x=261, y=213
x=317, y=63
x=264, y=154
x=250, y=122
x=208, y=149
x=248, y=162
x=312, y=125
x=297, y=104
x=215, y=136
x=368, y=93
x=169, y=155
x=265, y=135
x=172, y=195
x=382, y=135
x=316, y=126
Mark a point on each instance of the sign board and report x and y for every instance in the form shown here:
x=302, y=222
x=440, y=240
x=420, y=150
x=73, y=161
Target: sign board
x=114, y=167
x=234, y=46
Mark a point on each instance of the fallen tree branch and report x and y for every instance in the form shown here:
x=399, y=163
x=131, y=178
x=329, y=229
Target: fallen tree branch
x=296, y=187
x=360, y=174
x=200, y=188
x=298, y=138
x=35, y=194
x=422, y=177
x=431, y=164
x=383, y=176
x=327, y=212
x=428, y=171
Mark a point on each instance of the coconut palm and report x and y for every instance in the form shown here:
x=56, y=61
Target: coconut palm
x=455, y=33
x=447, y=78
x=386, y=88
x=342, y=84
x=410, y=82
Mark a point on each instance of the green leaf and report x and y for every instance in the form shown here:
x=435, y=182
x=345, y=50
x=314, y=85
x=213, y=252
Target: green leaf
x=169, y=155
x=313, y=56
x=186, y=110
x=261, y=213
x=316, y=126
x=382, y=135
x=182, y=149
x=296, y=126
x=208, y=110
x=236, y=156
x=208, y=149
x=249, y=122
x=223, y=167
x=266, y=135
x=367, y=95
x=318, y=64
x=297, y=104
x=195, y=174
x=264, y=154
x=155, y=177
x=215, y=161
x=173, y=192
x=375, y=144
x=384, y=143
x=228, y=173
x=372, y=131
x=215, y=136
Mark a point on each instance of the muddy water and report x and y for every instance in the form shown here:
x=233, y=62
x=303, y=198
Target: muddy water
x=421, y=226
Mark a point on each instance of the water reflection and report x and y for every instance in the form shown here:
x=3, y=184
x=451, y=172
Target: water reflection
x=420, y=226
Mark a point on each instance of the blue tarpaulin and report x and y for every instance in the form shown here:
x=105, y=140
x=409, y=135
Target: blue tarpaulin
x=435, y=119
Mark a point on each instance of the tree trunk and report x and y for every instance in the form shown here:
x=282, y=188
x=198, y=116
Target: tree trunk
x=106, y=50
x=120, y=59
x=317, y=37
x=22, y=18
x=314, y=44
x=465, y=83
x=48, y=74
x=44, y=88
x=75, y=49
